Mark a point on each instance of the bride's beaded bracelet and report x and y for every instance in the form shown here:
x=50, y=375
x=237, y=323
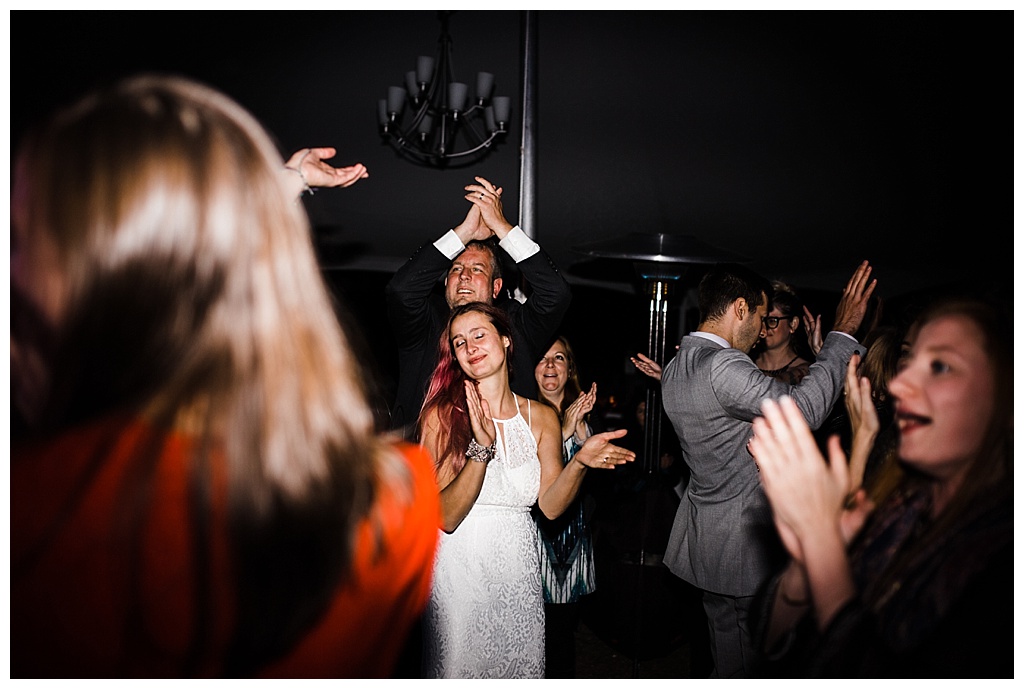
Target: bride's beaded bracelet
x=480, y=453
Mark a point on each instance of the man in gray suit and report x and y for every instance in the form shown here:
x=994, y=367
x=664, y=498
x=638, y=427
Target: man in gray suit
x=723, y=540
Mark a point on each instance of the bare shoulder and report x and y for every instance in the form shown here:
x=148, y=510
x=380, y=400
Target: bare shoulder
x=543, y=419
x=542, y=413
x=547, y=430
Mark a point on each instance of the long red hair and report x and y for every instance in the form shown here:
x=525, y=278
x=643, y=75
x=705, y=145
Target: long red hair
x=446, y=392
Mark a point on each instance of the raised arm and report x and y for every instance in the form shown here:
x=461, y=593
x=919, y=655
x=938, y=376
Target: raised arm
x=550, y=294
x=408, y=292
x=308, y=168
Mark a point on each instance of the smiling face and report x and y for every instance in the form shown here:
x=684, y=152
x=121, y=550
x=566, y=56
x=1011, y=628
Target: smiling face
x=945, y=397
x=470, y=278
x=479, y=349
x=552, y=373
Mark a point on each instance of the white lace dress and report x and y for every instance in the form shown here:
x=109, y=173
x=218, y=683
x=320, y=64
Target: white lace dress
x=485, y=618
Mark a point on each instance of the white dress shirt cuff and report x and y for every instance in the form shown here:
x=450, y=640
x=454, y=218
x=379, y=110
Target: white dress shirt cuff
x=840, y=332
x=518, y=245
x=450, y=245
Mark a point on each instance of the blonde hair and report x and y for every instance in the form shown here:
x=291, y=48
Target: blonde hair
x=194, y=299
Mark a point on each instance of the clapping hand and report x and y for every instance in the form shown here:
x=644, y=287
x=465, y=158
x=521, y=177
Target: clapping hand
x=472, y=228
x=809, y=500
x=479, y=415
x=487, y=197
x=806, y=493
x=860, y=407
x=574, y=419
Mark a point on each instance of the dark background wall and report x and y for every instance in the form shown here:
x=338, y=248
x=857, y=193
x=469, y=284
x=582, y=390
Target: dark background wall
x=802, y=141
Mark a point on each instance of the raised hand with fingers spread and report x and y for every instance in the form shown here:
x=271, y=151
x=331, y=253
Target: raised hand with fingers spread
x=853, y=305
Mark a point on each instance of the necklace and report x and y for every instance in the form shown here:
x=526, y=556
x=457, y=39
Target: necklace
x=775, y=373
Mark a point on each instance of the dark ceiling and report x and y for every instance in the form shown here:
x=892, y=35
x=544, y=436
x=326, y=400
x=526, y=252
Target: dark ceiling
x=805, y=141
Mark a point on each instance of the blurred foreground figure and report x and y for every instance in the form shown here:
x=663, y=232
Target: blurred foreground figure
x=201, y=492
x=916, y=586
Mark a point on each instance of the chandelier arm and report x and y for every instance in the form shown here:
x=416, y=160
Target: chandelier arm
x=483, y=144
x=472, y=126
x=409, y=151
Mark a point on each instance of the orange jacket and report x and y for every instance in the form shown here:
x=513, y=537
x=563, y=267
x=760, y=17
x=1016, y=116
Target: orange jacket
x=75, y=559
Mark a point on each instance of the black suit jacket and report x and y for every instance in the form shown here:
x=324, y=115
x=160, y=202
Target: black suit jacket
x=418, y=314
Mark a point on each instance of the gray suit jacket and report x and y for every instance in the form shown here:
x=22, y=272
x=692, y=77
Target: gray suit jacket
x=723, y=539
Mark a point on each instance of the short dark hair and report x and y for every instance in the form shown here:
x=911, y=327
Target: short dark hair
x=726, y=282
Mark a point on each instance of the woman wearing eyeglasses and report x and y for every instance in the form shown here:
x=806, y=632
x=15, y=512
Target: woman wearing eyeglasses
x=782, y=353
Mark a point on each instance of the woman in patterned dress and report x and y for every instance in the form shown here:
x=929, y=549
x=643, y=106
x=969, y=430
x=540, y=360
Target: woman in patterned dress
x=566, y=547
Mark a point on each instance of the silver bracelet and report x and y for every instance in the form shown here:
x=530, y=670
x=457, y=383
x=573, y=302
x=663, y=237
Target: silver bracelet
x=479, y=453
x=306, y=189
x=305, y=185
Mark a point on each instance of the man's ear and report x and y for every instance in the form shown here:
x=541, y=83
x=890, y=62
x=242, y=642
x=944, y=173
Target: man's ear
x=741, y=307
x=496, y=288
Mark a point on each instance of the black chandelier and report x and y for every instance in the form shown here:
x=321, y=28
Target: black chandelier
x=446, y=128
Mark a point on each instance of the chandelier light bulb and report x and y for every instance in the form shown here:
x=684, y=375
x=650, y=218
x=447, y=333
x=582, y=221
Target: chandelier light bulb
x=433, y=121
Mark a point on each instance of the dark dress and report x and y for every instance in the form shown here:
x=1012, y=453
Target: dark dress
x=928, y=607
